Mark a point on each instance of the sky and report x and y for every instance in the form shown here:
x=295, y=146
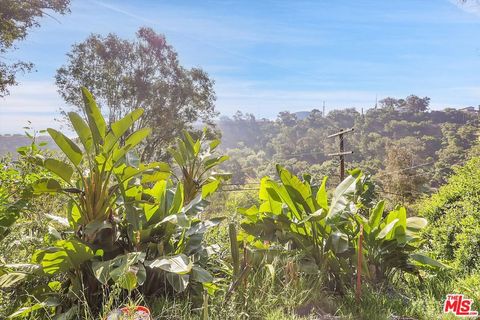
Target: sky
x=272, y=55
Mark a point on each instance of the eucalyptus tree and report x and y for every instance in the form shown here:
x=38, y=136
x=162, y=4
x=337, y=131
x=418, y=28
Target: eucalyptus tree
x=143, y=73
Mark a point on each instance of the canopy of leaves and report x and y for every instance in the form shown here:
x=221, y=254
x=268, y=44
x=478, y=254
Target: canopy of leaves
x=144, y=73
x=429, y=142
x=16, y=19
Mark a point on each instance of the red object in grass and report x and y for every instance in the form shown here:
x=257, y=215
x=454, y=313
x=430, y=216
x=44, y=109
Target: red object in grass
x=135, y=313
x=139, y=312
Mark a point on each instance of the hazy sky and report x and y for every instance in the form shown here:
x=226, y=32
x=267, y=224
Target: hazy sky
x=270, y=56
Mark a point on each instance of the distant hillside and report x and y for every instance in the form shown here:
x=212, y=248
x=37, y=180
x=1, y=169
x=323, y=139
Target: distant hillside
x=384, y=140
x=10, y=143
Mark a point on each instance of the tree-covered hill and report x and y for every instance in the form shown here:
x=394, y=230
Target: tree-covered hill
x=410, y=150
x=10, y=143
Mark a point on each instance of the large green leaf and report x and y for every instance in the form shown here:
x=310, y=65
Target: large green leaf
x=416, y=223
x=96, y=122
x=177, y=202
x=339, y=242
x=316, y=216
x=215, y=161
x=210, y=188
x=322, y=198
x=133, y=140
x=271, y=201
x=125, y=270
x=71, y=150
x=74, y=215
x=66, y=254
x=158, y=171
x=82, y=130
x=179, y=264
x=282, y=193
x=201, y=275
x=46, y=185
x=60, y=168
x=120, y=127
x=179, y=219
x=387, y=229
x=298, y=191
x=340, y=196
x=137, y=137
x=179, y=282
x=376, y=215
x=424, y=260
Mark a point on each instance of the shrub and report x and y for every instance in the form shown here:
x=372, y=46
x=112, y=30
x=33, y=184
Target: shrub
x=296, y=215
x=454, y=212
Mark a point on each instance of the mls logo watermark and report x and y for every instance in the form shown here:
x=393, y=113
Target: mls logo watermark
x=459, y=305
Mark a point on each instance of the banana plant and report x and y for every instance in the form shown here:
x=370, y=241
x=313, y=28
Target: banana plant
x=92, y=177
x=92, y=172
x=127, y=222
x=391, y=242
x=297, y=215
x=166, y=234
x=196, y=161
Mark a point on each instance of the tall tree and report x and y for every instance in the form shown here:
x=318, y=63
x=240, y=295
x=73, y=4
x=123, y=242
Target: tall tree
x=411, y=103
x=402, y=178
x=415, y=103
x=17, y=17
x=146, y=73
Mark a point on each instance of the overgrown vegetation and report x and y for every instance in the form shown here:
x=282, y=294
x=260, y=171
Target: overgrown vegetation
x=407, y=149
x=100, y=229
x=454, y=234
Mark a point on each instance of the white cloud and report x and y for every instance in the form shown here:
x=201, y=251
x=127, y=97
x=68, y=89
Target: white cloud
x=470, y=6
x=35, y=101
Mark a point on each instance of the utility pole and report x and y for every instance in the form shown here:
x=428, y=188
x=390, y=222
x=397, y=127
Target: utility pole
x=342, y=153
x=323, y=110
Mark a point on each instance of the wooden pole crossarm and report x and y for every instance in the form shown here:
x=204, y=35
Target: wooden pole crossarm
x=340, y=153
x=341, y=132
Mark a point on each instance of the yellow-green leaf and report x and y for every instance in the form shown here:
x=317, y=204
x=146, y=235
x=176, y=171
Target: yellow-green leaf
x=46, y=185
x=60, y=168
x=82, y=129
x=96, y=122
x=71, y=150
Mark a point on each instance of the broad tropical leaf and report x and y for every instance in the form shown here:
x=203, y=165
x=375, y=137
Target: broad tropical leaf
x=71, y=150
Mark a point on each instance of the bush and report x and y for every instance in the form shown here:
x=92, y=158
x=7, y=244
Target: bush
x=454, y=213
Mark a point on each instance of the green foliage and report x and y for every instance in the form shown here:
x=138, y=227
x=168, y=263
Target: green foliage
x=454, y=234
x=16, y=177
x=298, y=215
x=432, y=141
x=127, y=223
x=196, y=162
x=16, y=19
x=173, y=97
x=136, y=231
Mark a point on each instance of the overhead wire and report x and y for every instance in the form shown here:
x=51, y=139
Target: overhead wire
x=380, y=191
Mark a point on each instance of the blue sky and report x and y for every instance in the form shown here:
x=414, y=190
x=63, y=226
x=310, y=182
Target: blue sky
x=271, y=56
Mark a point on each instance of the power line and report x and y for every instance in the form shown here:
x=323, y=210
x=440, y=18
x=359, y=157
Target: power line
x=380, y=191
x=404, y=169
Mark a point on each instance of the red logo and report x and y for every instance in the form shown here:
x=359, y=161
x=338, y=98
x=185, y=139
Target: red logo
x=459, y=306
